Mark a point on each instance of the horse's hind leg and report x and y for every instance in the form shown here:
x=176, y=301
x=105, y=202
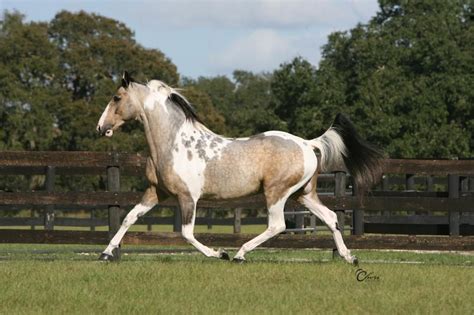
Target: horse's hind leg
x=276, y=225
x=188, y=217
x=312, y=202
x=149, y=200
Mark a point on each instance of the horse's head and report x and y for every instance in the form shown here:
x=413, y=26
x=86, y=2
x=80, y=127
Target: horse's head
x=122, y=107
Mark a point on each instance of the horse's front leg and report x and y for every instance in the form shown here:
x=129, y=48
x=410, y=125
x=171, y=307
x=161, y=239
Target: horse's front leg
x=149, y=200
x=188, y=216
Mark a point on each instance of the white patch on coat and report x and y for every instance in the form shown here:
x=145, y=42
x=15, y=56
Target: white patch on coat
x=197, y=142
x=102, y=117
x=159, y=93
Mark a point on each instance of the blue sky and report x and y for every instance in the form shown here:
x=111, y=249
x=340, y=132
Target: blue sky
x=210, y=37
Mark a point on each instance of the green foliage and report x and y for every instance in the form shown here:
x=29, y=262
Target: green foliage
x=406, y=78
x=207, y=112
x=56, y=79
x=245, y=103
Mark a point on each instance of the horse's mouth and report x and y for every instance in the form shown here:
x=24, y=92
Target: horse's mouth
x=109, y=131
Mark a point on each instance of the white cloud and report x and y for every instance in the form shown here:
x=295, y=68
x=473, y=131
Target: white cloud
x=209, y=37
x=259, y=50
x=252, y=14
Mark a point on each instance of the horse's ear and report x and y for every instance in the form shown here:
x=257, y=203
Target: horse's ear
x=126, y=79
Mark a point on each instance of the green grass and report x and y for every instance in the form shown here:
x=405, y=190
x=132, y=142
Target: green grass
x=60, y=279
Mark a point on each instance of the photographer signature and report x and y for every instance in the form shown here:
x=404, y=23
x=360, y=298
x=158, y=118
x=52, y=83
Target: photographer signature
x=363, y=275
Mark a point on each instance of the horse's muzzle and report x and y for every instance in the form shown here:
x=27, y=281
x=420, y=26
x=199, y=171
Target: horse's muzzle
x=105, y=130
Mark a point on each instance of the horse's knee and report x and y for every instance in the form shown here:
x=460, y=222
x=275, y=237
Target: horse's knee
x=130, y=219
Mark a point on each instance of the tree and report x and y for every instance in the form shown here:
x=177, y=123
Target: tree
x=94, y=51
x=28, y=64
x=205, y=109
x=56, y=79
x=295, y=101
x=245, y=103
x=406, y=78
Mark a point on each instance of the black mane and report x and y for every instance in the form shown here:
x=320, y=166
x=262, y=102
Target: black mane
x=185, y=106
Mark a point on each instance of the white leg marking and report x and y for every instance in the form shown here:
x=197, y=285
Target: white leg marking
x=188, y=233
x=130, y=219
x=330, y=218
x=276, y=225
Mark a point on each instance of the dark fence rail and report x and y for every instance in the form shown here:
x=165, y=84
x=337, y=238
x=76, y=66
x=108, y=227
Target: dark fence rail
x=448, y=212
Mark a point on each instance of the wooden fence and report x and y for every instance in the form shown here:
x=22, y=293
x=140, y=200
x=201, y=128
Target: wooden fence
x=385, y=211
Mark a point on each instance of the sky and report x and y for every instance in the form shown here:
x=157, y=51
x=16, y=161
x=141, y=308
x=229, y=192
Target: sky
x=211, y=37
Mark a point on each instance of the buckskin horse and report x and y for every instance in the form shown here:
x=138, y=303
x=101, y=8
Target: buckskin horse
x=189, y=162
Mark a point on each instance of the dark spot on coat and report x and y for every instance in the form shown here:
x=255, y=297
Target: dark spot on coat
x=218, y=139
x=186, y=143
x=201, y=144
x=190, y=155
x=202, y=155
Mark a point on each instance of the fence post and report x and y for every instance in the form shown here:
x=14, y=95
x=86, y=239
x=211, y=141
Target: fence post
x=385, y=183
x=92, y=217
x=429, y=183
x=49, y=211
x=410, y=185
x=340, y=191
x=237, y=220
x=209, y=218
x=299, y=220
x=177, y=219
x=357, y=216
x=410, y=182
x=113, y=185
x=385, y=187
x=453, y=193
x=464, y=183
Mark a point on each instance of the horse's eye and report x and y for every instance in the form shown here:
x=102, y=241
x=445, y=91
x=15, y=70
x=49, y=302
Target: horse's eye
x=117, y=98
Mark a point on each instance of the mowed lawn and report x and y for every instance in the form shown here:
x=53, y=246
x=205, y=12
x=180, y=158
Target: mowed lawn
x=57, y=279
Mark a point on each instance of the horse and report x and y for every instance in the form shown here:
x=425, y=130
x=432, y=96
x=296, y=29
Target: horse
x=189, y=161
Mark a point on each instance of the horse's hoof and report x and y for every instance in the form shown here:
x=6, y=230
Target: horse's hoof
x=224, y=256
x=238, y=260
x=355, y=262
x=106, y=257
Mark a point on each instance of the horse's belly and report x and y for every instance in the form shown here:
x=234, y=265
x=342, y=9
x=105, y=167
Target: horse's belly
x=231, y=183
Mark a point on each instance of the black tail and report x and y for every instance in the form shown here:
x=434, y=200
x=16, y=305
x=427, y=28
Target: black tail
x=363, y=160
x=342, y=142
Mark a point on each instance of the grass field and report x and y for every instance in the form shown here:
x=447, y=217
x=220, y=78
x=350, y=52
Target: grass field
x=58, y=279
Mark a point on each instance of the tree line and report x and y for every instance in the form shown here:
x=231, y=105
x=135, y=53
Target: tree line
x=406, y=79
